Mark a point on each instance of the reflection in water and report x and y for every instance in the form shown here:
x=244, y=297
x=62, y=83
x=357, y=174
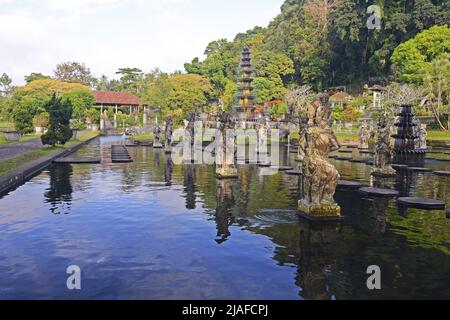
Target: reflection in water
x=318, y=248
x=144, y=235
x=189, y=185
x=59, y=194
x=403, y=184
x=225, y=203
x=168, y=172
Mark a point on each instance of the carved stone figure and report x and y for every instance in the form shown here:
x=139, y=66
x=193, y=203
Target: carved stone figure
x=191, y=126
x=157, y=140
x=225, y=147
x=319, y=176
x=262, y=136
x=383, y=148
x=168, y=135
x=423, y=137
x=364, y=136
x=303, y=124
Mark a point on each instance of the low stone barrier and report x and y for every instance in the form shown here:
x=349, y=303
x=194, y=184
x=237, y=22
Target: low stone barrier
x=21, y=175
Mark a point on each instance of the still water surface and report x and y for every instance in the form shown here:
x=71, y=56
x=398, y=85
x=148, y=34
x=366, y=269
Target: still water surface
x=154, y=230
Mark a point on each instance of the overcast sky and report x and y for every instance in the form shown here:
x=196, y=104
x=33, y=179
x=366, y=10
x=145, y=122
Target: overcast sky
x=35, y=35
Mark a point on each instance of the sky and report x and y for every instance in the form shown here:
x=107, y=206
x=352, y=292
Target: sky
x=36, y=35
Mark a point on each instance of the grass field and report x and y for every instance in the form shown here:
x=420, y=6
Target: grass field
x=144, y=137
x=438, y=135
x=14, y=163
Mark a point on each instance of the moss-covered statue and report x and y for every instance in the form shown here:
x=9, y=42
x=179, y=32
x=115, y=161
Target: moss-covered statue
x=383, y=148
x=225, y=146
x=320, y=177
x=168, y=135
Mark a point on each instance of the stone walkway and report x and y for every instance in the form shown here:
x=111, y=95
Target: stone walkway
x=13, y=150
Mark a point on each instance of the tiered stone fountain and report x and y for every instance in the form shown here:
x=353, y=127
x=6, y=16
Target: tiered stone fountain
x=405, y=151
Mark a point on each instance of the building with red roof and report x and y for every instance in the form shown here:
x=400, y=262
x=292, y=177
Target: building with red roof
x=120, y=99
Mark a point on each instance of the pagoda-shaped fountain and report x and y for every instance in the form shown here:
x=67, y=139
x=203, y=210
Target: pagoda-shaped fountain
x=245, y=110
x=405, y=151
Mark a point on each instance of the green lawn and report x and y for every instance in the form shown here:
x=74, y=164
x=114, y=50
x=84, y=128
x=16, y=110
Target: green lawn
x=14, y=163
x=347, y=137
x=144, y=137
x=438, y=135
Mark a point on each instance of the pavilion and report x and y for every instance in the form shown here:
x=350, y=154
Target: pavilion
x=106, y=99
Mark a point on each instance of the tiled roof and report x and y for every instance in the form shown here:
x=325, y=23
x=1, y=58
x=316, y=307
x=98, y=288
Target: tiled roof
x=340, y=96
x=116, y=98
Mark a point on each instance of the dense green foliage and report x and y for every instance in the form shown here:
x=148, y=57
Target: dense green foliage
x=60, y=113
x=30, y=100
x=415, y=56
x=327, y=41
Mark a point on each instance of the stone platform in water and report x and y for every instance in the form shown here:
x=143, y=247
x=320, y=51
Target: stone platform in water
x=343, y=158
x=399, y=167
x=358, y=160
x=442, y=173
x=344, y=184
x=419, y=169
x=377, y=192
x=320, y=218
x=75, y=160
x=281, y=168
x=422, y=203
x=264, y=165
x=294, y=172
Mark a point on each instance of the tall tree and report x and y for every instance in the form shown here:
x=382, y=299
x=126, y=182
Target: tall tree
x=74, y=72
x=60, y=113
x=5, y=85
x=131, y=79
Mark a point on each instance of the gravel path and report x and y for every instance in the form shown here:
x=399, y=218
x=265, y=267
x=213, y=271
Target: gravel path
x=13, y=150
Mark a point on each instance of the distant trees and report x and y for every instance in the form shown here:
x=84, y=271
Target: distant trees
x=5, y=85
x=60, y=112
x=35, y=76
x=74, y=72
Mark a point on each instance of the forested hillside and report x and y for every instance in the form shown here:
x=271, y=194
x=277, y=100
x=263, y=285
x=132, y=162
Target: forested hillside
x=323, y=43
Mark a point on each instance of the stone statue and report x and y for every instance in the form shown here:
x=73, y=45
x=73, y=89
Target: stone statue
x=262, y=136
x=383, y=148
x=339, y=127
x=168, y=135
x=191, y=126
x=303, y=124
x=225, y=146
x=319, y=176
x=364, y=136
x=157, y=140
x=422, y=141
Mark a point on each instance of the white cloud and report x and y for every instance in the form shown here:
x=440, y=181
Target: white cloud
x=108, y=34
